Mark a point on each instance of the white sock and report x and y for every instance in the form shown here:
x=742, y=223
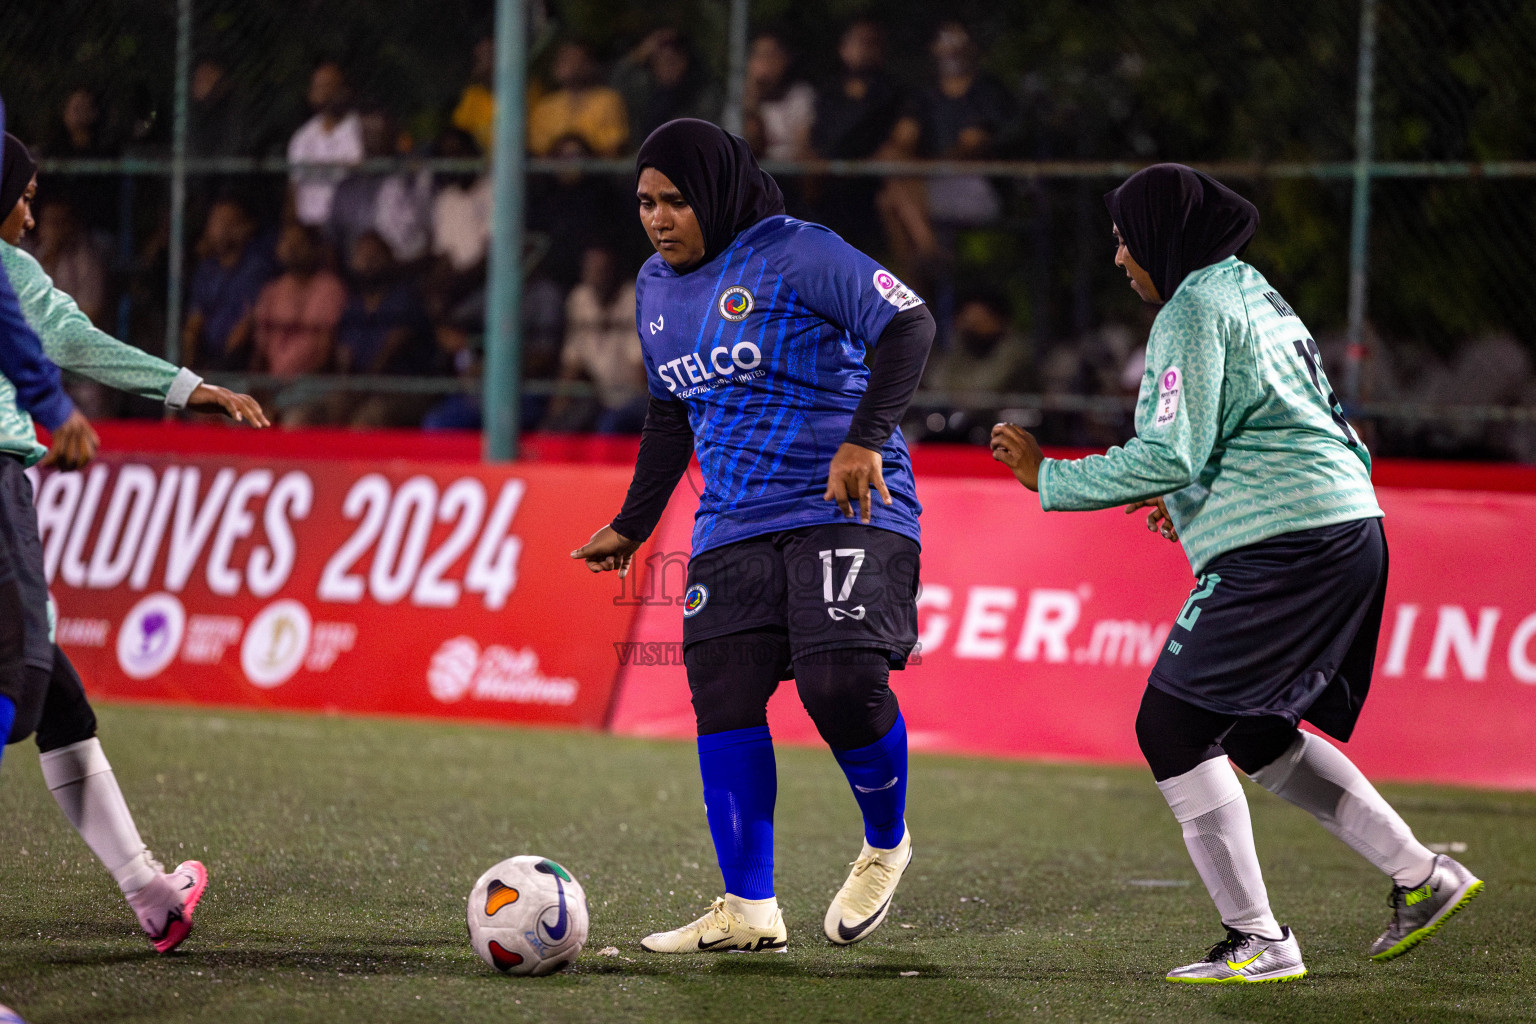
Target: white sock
x=1317, y=777
x=81, y=780
x=1208, y=802
x=756, y=913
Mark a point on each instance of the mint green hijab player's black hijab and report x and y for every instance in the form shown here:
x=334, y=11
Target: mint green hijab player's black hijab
x=1175, y=220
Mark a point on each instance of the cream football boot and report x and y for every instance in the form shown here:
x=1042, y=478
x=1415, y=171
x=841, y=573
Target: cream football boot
x=865, y=898
x=724, y=928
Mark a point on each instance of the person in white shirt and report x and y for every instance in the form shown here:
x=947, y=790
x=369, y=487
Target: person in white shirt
x=333, y=135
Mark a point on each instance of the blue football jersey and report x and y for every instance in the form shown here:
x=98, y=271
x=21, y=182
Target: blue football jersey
x=765, y=345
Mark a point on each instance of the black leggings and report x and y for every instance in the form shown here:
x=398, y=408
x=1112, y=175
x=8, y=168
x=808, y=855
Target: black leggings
x=1176, y=736
x=846, y=692
x=53, y=706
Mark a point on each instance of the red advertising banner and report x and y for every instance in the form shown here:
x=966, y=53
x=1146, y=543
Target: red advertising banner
x=1037, y=632
x=381, y=586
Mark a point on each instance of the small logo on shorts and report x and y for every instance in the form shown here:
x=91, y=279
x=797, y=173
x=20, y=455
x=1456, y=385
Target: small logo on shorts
x=736, y=303
x=694, y=600
x=839, y=614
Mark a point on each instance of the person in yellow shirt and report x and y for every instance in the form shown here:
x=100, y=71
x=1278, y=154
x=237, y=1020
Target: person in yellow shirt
x=580, y=106
x=476, y=112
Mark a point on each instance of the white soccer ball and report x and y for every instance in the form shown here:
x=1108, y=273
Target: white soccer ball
x=10, y=1016
x=527, y=916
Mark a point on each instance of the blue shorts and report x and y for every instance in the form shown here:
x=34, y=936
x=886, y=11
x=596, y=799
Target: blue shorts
x=1285, y=627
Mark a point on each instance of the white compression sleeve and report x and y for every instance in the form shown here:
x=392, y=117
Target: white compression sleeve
x=81, y=780
x=1209, y=804
x=1317, y=777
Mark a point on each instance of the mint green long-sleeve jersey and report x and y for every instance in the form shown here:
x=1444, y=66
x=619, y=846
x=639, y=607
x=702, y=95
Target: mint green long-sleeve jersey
x=1237, y=427
x=73, y=342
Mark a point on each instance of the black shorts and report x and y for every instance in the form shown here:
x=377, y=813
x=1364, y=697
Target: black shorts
x=23, y=587
x=830, y=587
x=1284, y=627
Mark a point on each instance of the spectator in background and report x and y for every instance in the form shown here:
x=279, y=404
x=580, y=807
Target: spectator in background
x=296, y=315
x=231, y=270
x=855, y=114
x=579, y=106
x=72, y=258
x=568, y=209
x=333, y=135
x=461, y=208
x=777, y=110
x=661, y=79
x=601, y=346
x=476, y=111
x=986, y=355
x=958, y=116
x=395, y=205
x=80, y=134
x=219, y=123
x=383, y=330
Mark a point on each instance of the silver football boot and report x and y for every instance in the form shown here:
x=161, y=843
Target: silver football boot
x=1246, y=960
x=1418, y=912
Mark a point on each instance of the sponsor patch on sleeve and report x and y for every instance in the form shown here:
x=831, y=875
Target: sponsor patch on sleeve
x=1170, y=389
x=893, y=291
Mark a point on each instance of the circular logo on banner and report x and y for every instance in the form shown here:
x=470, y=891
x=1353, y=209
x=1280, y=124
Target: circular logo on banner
x=694, y=600
x=275, y=643
x=150, y=636
x=736, y=303
x=452, y=671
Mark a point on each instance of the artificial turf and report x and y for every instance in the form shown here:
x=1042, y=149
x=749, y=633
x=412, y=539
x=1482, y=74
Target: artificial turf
x=341, y=852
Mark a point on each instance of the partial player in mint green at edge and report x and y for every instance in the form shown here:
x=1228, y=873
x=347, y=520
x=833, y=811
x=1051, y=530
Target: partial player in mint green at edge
x=1264, y=458
x=74, y=343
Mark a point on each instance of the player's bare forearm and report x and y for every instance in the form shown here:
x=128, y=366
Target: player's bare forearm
x=1017, y=449
x=855, y=473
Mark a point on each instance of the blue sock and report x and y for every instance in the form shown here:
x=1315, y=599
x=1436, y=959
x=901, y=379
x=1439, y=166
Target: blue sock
x=878, y=775
x=740, y=785
x=7, y=718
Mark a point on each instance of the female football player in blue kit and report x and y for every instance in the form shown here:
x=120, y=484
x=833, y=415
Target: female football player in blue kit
x=755, y=327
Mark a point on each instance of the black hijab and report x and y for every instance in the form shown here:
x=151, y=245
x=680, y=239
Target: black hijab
x=15, y=174
x=716, y=172
x=1175, y=220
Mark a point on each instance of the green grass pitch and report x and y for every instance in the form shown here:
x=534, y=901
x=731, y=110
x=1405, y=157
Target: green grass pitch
x=341, y=852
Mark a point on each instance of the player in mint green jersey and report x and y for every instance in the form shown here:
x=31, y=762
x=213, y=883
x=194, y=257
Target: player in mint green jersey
x=1242, y=452
x=38, y=685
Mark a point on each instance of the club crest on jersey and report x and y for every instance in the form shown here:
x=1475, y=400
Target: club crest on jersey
x=1169, y=387
x=694, y=600
x=735, y=303
x=893, y=291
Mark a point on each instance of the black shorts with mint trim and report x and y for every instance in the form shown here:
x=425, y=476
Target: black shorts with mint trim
x=1286, y=626
x=829, y=587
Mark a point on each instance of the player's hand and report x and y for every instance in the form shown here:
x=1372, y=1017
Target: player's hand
x=74, y=443
x=1158, y=520
x=855, y=469
x=238, y=407
x=1017, y=449
x=608, y=550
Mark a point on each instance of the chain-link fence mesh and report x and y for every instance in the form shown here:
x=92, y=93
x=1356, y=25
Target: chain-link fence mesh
x=1015, y=259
